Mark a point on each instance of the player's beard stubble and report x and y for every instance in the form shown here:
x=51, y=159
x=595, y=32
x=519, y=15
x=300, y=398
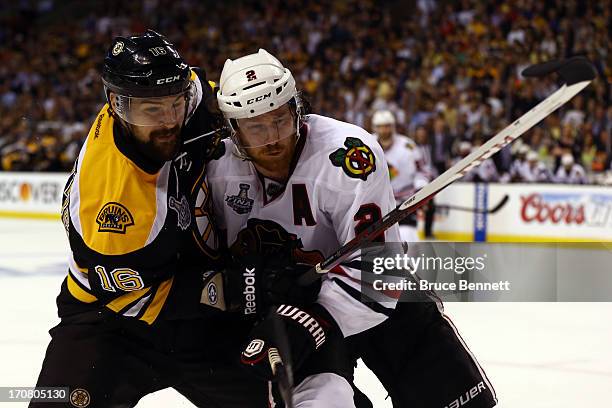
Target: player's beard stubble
x=162, y=144
x=273, y=160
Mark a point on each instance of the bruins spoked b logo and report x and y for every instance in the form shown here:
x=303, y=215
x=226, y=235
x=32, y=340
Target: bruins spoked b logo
x=357, y=160
x=114, y=217
x=79, y=398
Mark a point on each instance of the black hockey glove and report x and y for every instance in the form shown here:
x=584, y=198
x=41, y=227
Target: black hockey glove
x=306, y=329
x=255, y=285
x=265, y=264
x=251, y=288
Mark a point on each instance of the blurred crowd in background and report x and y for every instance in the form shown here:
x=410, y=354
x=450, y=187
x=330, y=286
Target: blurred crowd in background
x=448, y=70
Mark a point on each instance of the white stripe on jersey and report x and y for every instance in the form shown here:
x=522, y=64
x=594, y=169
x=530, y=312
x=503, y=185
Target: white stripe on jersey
x=161, y=199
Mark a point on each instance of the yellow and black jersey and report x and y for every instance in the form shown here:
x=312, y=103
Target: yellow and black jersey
x=134, y=226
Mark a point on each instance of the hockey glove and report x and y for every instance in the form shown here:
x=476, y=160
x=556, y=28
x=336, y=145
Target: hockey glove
x=252, y=288
x=306, y=330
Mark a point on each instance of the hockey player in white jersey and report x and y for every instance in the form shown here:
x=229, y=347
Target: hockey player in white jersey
x=318, y=179
x=570, y=172
x=534, y=171
x=303, y=185
x=406, y=168
x=516, y=168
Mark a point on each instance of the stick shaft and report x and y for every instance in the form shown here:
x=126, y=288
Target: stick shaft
x=493, y=145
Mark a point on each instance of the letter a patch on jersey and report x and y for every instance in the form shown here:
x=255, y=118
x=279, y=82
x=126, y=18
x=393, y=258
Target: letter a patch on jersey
x=357, y=160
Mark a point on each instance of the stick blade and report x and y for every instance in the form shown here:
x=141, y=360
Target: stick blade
x=502, y=202
x=572, y=70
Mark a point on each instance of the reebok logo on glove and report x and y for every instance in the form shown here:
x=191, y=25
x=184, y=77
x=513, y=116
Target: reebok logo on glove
x=306, y=320
x=250, y=304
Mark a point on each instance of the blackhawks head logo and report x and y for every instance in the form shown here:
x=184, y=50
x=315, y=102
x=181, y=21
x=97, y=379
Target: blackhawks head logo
x=357, y=160
x=392, y=171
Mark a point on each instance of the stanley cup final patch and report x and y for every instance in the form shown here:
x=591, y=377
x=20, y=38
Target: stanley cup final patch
x=357, y=160
x=240, y=203
x=182, y=211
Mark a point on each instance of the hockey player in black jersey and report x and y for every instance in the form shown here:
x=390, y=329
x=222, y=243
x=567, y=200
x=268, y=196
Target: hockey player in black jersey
x=135, y=210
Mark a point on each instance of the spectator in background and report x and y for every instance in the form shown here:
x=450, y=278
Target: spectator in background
x=460, y=60
x=574, y=116
x=588, y=149
x=534, y=171
x=516, y=169
x=441, y=142
x=423, y=145
x=570, y=172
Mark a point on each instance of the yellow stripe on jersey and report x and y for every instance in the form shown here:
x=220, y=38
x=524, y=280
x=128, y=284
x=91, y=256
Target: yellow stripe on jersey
x=117, y=199
x=194, y=77
x=158, y=301
x=123, y=301
x=79, y=293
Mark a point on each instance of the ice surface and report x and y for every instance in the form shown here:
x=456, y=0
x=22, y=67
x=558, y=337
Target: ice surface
x=535, y=354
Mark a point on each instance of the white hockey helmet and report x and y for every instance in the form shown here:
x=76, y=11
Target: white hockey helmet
x=532, y=156
x=567, y=159
x=253, y=85
x=465, y=147
x=383, y=117
x=523, y=149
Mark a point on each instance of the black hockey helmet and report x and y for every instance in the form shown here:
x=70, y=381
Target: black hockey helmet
x=145, y=65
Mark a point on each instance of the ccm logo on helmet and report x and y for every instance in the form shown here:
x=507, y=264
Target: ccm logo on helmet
x=168, y=80
x=259, y=98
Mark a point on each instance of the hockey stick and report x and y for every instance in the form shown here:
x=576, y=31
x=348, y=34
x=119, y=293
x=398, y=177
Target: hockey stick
x=576, y=72
x=493, y=210
x=280, y=360
x=220, y=130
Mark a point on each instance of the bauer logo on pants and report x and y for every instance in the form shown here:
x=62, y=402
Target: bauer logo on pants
x=357, y=160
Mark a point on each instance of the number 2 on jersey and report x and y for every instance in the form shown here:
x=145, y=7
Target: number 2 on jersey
x=367, y=215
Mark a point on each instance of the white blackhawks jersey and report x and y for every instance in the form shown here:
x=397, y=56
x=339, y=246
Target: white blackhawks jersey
x=538, y=173
x=339, y=184
x=406, y=167
x=576, y=175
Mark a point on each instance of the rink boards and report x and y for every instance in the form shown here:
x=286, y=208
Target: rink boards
x=532, y=213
